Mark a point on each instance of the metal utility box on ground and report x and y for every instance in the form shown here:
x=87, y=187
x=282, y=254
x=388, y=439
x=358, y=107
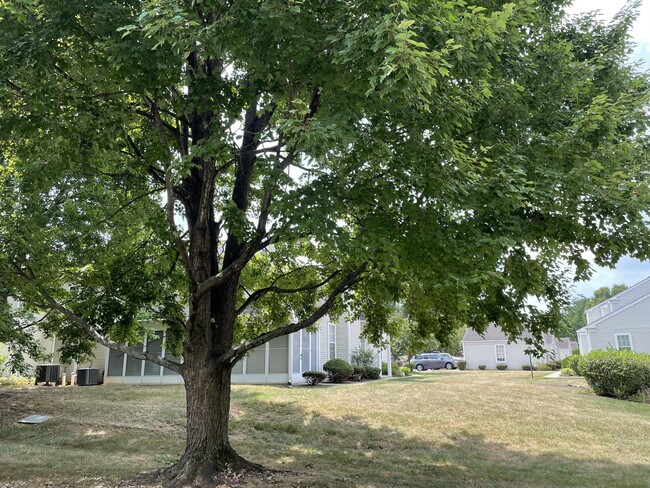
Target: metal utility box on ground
x=87, y=376
x=47, y=373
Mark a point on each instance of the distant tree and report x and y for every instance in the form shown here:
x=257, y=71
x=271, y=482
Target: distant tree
x=575, y=317
x=408, y=338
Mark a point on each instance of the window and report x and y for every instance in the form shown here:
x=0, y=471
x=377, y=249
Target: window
x=624, y=341
x=154, y=345
x=500, y=353
x=332, y=340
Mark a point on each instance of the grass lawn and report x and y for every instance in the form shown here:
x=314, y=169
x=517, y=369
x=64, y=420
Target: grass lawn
x=446, y=429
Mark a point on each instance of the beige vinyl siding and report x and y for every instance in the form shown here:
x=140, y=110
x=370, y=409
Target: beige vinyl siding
x=323, y=341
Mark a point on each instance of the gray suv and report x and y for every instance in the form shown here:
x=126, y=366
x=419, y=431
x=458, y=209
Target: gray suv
x=434, y=361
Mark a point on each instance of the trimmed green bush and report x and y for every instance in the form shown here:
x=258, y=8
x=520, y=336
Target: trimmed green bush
x=567, y=372
x=573, y=362
x=373, y=373
x=618, y=374
x=338, y=370
x=405, y=370
x=526, y=367
x=384, y=368
x=461, y=364
x=314, y=377
x=501, y=367
x=554, y=365
x=481, y=367
x=358, y=373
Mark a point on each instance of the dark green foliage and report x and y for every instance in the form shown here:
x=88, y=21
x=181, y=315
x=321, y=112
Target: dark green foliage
x=338, y=370
x=481, y=367
x=462, y=364
x=384, y=368
x=286, y=158
x=573, y=362
x=373, y=373
x=314, y=377
x=501, y=367
x=405, y=370
x=358, y=373
x=616, y=373
x=554, y=365
x=526, y=367
x=546, y=367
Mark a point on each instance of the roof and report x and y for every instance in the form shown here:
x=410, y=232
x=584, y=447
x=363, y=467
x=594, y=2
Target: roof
x=624, y=292
x=605, y=318
x=494, y=333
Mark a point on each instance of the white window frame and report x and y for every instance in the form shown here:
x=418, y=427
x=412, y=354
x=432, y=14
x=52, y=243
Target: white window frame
x=331, y=329
x=496, y=354
x=629, y=336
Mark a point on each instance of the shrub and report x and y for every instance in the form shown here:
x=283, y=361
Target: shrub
x=13, y=380
x=501, y=367
x=405, y=370
x=618, y=374
x=481, y=367
x=397, y=372
x=314, y=377
x=567, y=372
x=373, y=373
x=358, y=373
x=362, y=357
x=573, y=362
x=384, y=368
x=554, y=365
x=461, y=364
x=526, y=367
x=338, y=370
x=546, y=367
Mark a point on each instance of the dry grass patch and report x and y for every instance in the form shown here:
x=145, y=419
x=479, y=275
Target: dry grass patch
x=442, y=429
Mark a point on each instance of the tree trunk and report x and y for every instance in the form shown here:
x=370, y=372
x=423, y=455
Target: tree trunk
x=208, y=452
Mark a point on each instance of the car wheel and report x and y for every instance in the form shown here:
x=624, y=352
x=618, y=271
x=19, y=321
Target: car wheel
x=449, y=366
x=419, y=367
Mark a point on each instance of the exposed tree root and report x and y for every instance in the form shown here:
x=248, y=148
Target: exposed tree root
x=193, y=471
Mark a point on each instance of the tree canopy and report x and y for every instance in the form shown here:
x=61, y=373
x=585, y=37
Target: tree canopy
x=575, y=316
x=238, y=169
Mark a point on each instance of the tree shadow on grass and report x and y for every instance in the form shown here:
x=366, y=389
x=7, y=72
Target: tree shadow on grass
x=319, y=451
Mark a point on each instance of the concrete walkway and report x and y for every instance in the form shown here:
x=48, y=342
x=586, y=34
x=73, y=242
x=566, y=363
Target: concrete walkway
x=554, y=374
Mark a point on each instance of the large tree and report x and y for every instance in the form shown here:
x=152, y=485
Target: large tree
x=239, y=168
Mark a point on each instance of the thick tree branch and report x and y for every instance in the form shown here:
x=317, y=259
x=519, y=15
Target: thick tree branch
x=229, y=271
x=130, y=202
x=171, y=197
x=53, y=304
x=282, y=166
x=15, y=87
x=350, y=280
x=259, y=294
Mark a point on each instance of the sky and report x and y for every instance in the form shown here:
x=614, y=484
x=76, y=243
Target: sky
x=628, y=270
